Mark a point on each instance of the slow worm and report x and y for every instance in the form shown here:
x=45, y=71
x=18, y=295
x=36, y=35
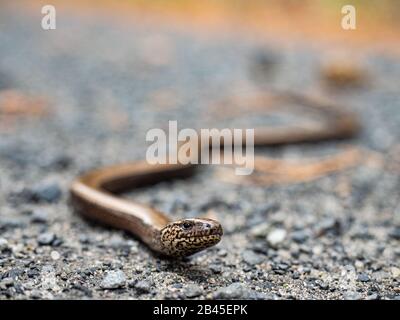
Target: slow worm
x=95, y=194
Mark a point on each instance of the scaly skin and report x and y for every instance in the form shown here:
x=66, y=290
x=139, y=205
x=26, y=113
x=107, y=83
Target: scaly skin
x=188, y=236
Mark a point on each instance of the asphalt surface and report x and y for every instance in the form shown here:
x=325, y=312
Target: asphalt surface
x=104, y=84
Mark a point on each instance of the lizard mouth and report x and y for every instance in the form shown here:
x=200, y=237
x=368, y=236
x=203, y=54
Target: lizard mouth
x=216, y=231
x=215, y=236
x=191, y=245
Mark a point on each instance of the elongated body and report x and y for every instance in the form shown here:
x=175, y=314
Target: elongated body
x=95, y=194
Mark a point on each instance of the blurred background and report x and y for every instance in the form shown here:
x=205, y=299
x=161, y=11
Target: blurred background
x=314, y=19
x=85, y=94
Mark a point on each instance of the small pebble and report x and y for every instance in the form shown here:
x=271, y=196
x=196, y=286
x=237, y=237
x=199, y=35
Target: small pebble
x=215, y=268
x=260, y=231
x=46, y=193
x=11, y=223
x=323, y=285
x=381, y=276
x=259, y=246
x=276, y=236
x=40, y=216
x=395, y=233
x=359, y=265
x=3, y=244
x=193, y=290
x=352, y=295
x=60, y=163
x=363, y=277
x=46, y=238
x=6, y=282
x=327, y=225
x=57, y=242
x=55, y=255
x=222, y=253
x=395, y=272
x=252, y=258
x=299, y=236
x=84, y=239
x=35, y=294
x=317, y=250
x=113, y=280
x=143, y=286
x=233, y=291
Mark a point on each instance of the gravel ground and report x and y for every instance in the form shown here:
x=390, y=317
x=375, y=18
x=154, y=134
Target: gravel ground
x=106, y=83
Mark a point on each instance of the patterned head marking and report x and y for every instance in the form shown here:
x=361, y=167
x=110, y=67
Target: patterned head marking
x=185, y=237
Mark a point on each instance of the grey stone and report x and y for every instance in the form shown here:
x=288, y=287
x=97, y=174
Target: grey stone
x=35, y=294
x=373, y=296
x=113, y=280
x=282, y=266
x=143, y=286
x=260, y=230
x=46, y=193
x=252, y=258
x=239, y=291
x=351, y=295
x=276, y=236
x=328, y=224
x=193, y=290
x=46, y=238
x=299, y=236
x=323, y=285
x=84, y=289
x=395, y=271
x=61, y=162
x=395, y=233
x=222, y=253
x=381, y=276
x=3, y=244
x=13, y=273
x=11, y=223
x=117, y=242
x=40, y=216
x=363, y=277
x=84, y=239
x=233, y=291
x=260, y=246
x=6, y=282
x=215, y=268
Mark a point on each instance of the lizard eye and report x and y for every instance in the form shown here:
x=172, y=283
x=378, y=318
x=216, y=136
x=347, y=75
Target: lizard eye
x=186, y=225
